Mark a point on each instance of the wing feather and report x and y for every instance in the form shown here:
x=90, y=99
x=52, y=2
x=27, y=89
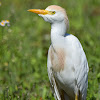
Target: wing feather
x=81, y=67
x=80, y=64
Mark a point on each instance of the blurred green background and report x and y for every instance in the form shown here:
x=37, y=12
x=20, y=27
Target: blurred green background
x=24, y=46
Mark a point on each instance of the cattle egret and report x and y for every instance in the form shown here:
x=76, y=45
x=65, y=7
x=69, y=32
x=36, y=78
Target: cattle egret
x=67, y=64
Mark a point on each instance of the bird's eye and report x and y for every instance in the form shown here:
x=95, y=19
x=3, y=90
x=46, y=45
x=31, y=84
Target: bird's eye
x=53, y=12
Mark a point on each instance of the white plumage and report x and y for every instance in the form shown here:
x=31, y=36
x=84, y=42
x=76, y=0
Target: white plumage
x=67, y=64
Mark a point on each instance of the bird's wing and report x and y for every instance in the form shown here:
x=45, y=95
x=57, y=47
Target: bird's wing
x=54, y=86
x=80, y=66
x=81, y=75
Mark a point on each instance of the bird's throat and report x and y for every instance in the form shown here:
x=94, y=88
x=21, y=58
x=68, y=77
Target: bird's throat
x=58, y=31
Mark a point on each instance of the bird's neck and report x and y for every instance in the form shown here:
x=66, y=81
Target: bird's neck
x=58, y=31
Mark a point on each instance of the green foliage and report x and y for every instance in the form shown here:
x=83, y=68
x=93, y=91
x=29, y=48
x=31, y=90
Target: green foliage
x=24, y=46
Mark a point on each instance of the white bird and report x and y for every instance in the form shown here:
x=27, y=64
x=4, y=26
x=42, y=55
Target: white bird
x=67, y=64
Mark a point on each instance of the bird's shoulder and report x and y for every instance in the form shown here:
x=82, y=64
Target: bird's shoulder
x=72, y=41
x=71, y=37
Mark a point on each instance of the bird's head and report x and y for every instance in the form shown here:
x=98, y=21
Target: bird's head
x=52, y=14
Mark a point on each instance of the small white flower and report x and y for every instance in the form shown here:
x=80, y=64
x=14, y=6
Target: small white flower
x=7, y=21
x=2, y=24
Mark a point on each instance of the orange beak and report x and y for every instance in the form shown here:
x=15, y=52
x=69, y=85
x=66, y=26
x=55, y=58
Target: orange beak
x=38, y=11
